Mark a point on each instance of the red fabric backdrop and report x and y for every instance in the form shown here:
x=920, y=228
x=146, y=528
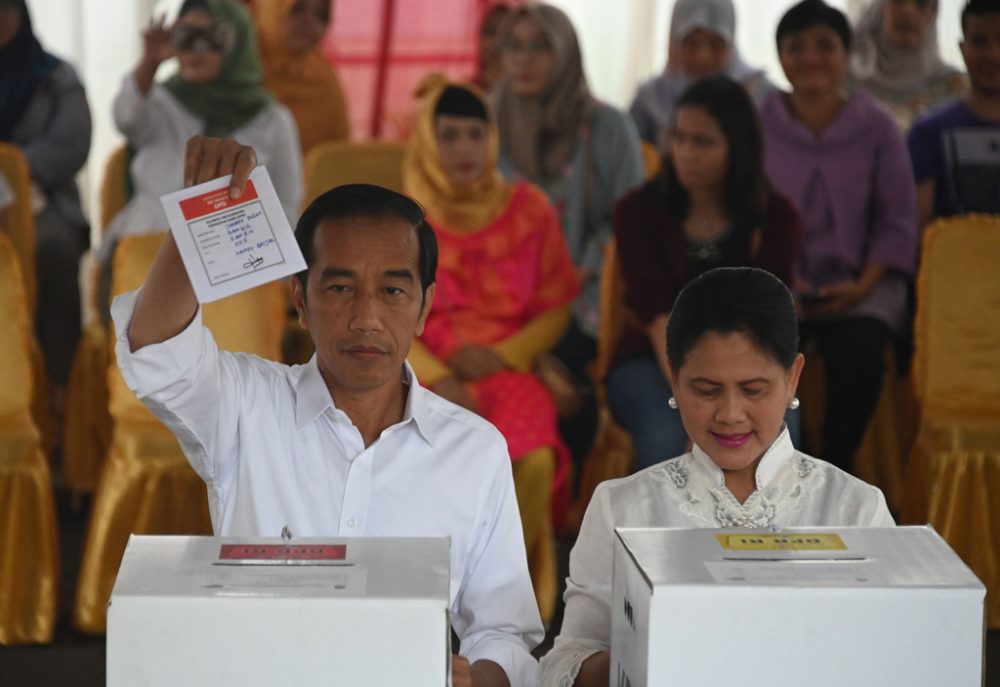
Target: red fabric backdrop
x=383, y=48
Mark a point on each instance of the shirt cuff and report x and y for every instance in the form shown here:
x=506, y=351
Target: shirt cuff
x=158, y=365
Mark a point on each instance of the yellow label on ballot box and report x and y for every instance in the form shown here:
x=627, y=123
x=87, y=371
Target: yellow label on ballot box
x=782, y=542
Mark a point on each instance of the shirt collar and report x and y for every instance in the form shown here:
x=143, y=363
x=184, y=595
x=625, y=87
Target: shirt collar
x=312, y=399
x=770, y=463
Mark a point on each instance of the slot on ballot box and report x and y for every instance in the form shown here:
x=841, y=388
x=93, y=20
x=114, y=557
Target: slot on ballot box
x=817, y=606
x=210, y=611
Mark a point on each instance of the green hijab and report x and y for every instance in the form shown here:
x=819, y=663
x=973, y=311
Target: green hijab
x=236, y=96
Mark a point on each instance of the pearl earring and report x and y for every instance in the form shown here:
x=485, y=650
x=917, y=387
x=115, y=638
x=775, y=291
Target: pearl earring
x=672, y=402
x=794, y=403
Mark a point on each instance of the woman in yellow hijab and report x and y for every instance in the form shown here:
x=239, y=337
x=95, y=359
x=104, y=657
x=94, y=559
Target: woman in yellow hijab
x=296, y=73
x=505, y=282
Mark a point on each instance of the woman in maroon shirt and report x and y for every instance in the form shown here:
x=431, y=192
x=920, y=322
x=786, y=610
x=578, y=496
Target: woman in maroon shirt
x=710, y=206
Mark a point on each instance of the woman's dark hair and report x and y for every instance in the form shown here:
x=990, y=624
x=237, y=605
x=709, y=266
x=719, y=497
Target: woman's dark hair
x=367, y=201
x=809, y=14
x=746, y=185
x=729, y=300
x=460, y=102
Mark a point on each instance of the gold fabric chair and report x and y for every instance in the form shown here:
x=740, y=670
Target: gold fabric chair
x=611, y=455
x=147, y=486
x=341, y=162
x=29, y=549
x=14, y=167
x=114, y=186
x=953, y=477
x=88, y=423
x=651, y=159
x=21, y=232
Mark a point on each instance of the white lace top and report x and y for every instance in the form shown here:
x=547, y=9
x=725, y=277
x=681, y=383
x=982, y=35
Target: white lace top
x=793, y=490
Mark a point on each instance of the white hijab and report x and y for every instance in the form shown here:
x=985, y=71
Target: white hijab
x=890, y=72
x=717, y=16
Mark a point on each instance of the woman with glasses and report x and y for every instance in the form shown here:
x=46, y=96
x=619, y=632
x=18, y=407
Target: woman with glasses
x=216, y=92
x=585, y=155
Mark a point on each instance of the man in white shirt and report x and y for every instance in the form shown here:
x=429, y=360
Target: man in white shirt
x=348, y=444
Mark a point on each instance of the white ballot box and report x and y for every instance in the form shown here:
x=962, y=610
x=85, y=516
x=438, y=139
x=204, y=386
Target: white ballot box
x=822, y=607
x=209, y=611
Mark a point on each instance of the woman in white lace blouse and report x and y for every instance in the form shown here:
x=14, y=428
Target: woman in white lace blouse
x=732, y=348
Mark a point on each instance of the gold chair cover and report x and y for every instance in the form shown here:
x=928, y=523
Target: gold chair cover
x=21, y=232
x=88, y=422
x=29, y=548
x=651, y=159
x=147, y=486
x=14, y=166
x=953, y=478
x=340, y=162
x=114, y=186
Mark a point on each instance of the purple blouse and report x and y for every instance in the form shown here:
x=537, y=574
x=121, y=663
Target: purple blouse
x=853, y=186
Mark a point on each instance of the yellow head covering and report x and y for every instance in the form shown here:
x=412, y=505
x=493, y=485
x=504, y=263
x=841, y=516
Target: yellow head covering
x=464, y=207
x=304, y=83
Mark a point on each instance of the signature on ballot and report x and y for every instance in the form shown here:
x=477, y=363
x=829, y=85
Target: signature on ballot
x=253, y=263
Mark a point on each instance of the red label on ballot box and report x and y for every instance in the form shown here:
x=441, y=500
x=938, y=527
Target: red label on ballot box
x=214, y=201
x=282, y=552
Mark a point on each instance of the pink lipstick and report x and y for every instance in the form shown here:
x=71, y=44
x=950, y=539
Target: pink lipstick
x=732, y=440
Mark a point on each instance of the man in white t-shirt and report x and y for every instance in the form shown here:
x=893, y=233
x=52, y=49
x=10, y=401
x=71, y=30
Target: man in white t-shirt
x=349, y=444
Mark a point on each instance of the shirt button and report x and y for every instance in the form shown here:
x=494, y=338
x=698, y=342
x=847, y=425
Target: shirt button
x=352, y=522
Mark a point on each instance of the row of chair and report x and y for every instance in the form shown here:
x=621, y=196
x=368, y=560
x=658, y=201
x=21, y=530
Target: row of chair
x=143, y=484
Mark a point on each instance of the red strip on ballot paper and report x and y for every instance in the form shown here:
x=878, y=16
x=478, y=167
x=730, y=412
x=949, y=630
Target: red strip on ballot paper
x=281, y=552
x=214, y=201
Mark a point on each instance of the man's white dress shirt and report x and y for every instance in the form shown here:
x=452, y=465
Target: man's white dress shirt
x=275, y=451
x=793, y=490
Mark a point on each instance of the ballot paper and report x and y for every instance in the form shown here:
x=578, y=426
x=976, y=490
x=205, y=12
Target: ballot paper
x=227, y=245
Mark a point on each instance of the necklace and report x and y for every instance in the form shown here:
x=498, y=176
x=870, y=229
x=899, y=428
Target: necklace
x=708, y=250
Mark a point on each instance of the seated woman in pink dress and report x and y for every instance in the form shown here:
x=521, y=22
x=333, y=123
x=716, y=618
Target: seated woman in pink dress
x=504, y=288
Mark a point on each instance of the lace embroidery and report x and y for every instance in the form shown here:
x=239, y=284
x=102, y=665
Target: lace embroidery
x=781, y=502
x=678, y=473
x=804, y=466
x=759, y=515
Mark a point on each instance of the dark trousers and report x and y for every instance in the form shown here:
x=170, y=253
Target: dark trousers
x=58, y=247
x=853, y=352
